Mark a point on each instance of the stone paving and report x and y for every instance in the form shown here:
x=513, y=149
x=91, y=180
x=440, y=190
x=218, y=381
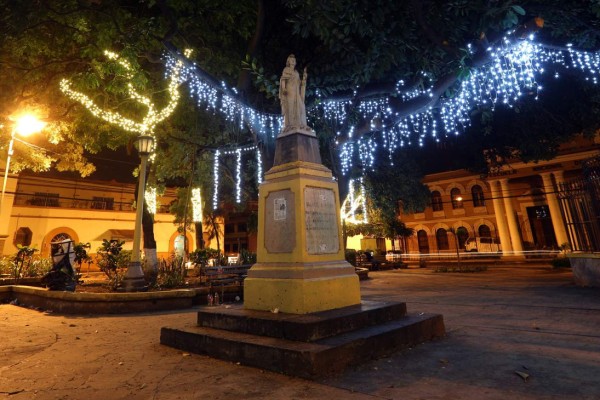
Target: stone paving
x=520, y=318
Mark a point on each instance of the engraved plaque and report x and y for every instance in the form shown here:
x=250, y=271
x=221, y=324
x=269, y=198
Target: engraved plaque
x=280, y=222
x=322, y=232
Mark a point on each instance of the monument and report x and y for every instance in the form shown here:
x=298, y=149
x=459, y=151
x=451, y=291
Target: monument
x=302, y=313
x=300, y=266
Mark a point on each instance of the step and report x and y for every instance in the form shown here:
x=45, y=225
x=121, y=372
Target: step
x=305, y=328
x=319, y=358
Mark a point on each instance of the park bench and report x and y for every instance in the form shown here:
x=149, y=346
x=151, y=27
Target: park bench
x=227, y=275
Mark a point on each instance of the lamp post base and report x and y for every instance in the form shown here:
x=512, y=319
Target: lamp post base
x=134, y=280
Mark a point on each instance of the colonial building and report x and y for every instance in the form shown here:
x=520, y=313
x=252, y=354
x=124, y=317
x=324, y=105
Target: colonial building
x=515, y=208
x=37, y=210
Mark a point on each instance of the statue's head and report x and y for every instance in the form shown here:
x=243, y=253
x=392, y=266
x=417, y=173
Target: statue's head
x=291, y=61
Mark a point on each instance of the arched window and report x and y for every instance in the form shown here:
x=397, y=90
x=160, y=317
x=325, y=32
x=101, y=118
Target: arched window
x=436, y=201
x=456, y=198
x=484, y=231
x=477, y=193
x=423, y=241
x=60, y=237
x=441, y=237
x=461, y=235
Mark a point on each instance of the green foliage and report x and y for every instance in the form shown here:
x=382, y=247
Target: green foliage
x=246, y=257
x=113, y=260
x=22, y=261
x=22, y=266
x=200, y=257
x=350, y=256
x=171, y=273
x=81, y=255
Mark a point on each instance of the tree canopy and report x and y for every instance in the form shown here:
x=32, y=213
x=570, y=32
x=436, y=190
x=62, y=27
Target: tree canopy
x=354, y=51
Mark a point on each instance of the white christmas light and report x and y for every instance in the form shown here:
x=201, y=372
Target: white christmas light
x=153, y=116
x=196, y=205
x=511, y=72
x=354, y=207
x=216, y=180
x=238, y=170
x=150, y=198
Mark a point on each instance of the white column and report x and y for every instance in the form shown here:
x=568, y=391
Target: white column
x=500, y=219
x=557, y=222
x=513, y=228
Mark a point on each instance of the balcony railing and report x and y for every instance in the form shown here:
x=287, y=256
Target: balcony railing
x=26, y=200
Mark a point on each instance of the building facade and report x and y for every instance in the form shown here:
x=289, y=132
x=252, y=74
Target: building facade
x=514, y=209
x=38, y=210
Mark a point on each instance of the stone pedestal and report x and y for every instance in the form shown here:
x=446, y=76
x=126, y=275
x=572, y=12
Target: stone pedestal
x=301, y=266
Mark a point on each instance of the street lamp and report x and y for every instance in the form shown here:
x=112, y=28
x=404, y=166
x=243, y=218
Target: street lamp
x=24, y=125
x=134, y=277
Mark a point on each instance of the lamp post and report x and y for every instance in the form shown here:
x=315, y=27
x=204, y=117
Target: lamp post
x=134, y=277
x=25, y=125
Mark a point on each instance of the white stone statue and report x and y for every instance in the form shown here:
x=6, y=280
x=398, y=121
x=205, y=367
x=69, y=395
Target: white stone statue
x=291, y=95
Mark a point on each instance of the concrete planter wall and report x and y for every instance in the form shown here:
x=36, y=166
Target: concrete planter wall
x=586, y=268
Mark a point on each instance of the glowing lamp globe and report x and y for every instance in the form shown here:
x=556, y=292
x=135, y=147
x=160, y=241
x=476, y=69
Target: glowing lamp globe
x=144, y=144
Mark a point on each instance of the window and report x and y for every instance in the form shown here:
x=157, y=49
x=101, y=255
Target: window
x=456, y=198
x=242, y=227
x=60, y=237
x=436, y=201
x=229, y=228
x=45, y=199
x=103, y=203
x=423, y=241
x=441, y=237
x=23, y=236
x=477, y=194
x=484, y=231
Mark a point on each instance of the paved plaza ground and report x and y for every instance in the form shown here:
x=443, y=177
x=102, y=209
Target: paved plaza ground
x=525, y=318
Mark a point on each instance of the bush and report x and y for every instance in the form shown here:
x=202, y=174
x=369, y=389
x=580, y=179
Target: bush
x=561, y=262
x=351, y=256
x=113, y=261
x=171, y=272
x=246, y=257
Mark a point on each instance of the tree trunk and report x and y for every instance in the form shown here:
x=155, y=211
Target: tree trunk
x=199, y=235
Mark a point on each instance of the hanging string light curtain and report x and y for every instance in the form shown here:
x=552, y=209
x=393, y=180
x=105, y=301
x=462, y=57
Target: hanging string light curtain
x=512, y=68
x=238, y=151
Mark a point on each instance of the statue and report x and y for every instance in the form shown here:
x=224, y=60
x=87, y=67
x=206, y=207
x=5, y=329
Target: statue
x=291, y=95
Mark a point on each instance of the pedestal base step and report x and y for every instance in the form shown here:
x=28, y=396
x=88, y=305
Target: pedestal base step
x=301, y=327
x=322, y=357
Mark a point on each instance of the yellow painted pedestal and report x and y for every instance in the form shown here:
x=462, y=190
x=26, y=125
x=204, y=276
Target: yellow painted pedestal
x=301, y=267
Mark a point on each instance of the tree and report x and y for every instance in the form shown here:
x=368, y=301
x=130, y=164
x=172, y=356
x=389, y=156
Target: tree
x=354, y=51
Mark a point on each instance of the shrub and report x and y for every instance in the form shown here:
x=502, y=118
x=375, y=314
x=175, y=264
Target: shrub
x=113, y=260
x=351, y=256
x=246, y=257
x=171, y=272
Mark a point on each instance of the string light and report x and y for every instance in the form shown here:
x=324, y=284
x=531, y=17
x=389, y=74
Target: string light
x=196, y=205
x=512, y=71
x=354, y=208
x=238, y=170
x=151, y=201
x=216, y=180
x=153, y=116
